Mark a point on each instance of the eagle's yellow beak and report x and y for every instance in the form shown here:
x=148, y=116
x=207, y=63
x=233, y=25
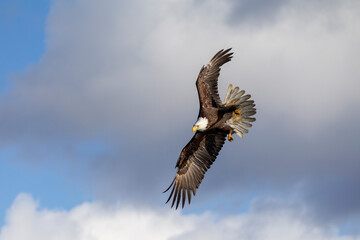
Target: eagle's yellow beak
x=195, y=128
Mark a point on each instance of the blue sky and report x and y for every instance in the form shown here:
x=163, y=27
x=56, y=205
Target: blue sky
x=98, y=99
x=22, y=44
x=22, y=36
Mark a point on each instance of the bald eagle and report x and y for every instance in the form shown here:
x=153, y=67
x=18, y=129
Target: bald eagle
x=216, y=120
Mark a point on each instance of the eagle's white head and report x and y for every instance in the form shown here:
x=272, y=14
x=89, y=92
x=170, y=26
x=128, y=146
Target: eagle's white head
x=201, y=124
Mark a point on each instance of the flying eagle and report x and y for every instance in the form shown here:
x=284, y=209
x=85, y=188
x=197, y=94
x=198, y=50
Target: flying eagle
x=216, y=120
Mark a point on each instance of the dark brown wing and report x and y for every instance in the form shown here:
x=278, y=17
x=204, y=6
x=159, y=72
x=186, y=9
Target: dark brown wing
x=207, y=81
x=195, y=159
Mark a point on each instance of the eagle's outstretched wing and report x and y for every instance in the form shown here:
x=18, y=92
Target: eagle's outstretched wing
x=207, y=81
x=195, y=159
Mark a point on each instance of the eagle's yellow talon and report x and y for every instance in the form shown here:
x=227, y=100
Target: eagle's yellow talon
x=237, y=111
x=230, y=138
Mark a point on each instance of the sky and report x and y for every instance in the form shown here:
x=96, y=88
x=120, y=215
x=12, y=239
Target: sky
x=97, y=99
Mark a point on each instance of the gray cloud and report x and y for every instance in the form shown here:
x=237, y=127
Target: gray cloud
x=336, y=192
x=131, y=87
x=261, y=13
x=256, y=12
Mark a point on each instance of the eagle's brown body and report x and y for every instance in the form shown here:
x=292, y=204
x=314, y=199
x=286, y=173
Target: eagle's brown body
x=216, y=120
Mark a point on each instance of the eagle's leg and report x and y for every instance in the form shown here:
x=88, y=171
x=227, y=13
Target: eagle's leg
x=230, y=138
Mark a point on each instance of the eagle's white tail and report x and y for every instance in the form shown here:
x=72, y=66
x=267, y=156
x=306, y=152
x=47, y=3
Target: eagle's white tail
x=240, y=119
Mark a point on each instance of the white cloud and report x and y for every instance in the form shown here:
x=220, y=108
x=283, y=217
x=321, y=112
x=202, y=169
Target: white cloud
x=92, y=221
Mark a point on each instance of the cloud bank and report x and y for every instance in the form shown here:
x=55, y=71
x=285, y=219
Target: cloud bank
x=113, y=98
x=95, y=221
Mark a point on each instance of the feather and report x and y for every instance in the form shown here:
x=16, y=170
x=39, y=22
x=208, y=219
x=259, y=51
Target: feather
x=176, y=193
x=228, y=94
x=183, y=197
x=195, y=160
x=178, y=199
x=189, y=195
x=208, y=77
